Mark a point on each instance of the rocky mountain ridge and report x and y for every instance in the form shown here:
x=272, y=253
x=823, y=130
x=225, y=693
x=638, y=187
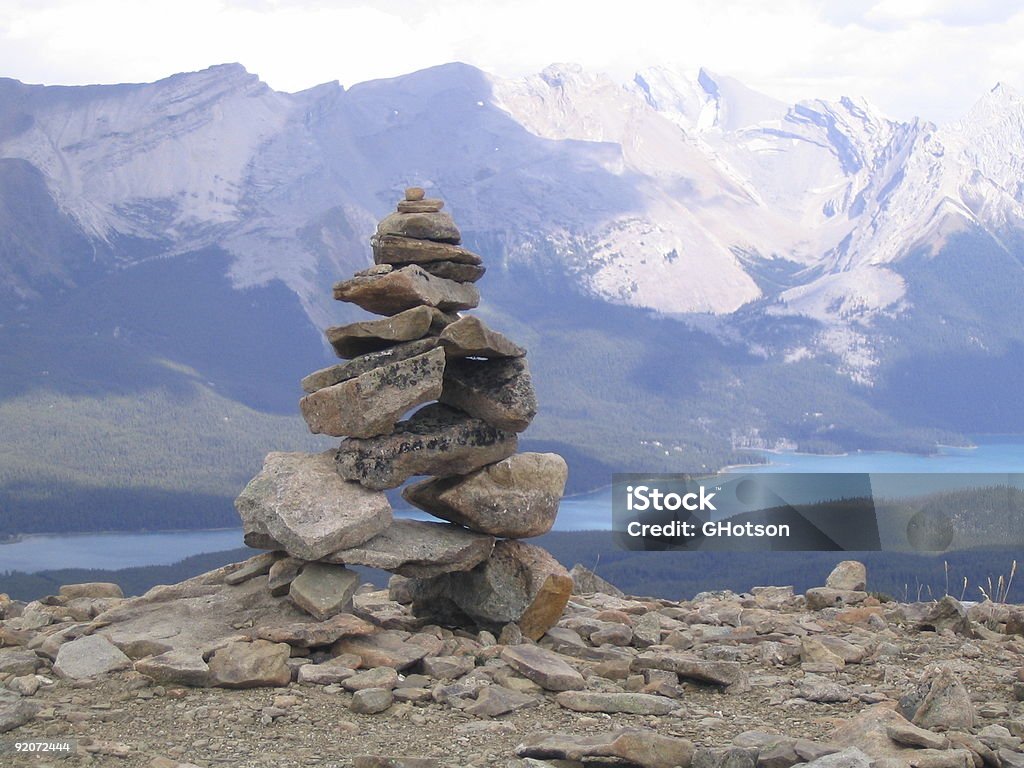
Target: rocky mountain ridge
x=671, y=192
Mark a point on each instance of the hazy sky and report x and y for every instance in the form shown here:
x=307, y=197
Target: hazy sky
x=931, y=58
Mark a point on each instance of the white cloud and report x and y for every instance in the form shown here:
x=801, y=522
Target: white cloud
x=928, y=57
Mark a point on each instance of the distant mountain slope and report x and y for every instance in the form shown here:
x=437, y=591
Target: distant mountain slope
x=695, y=267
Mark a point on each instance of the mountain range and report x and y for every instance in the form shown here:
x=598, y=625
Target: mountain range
x=696, y=267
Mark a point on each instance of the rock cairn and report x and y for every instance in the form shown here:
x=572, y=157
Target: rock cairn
x=318, y=513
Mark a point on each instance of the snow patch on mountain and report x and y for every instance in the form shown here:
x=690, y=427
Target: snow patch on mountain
x=679, y=192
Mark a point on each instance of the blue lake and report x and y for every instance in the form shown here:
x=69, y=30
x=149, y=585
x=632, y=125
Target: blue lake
x=590, y=511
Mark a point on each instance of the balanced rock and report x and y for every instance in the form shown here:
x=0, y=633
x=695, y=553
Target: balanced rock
x=299, y=501
x=453, y=270
x=367, y=336
x=519, y=583
x=322, y=590
x=470, y=337
x=426, y=205
x=421, y=226
x=335, y=374
x=405, y=288
x=419, y=549
x=498, y=391
x=437, y=440
x=371, y=404
x=514, y=498
x=399, y=251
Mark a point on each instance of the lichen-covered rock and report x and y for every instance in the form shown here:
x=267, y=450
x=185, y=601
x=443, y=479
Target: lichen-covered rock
x=498, y=391
x=519, y=583
x=335, y=374
x=370, y=404
x=302, y=505
x=517, y=497
x=437, y=440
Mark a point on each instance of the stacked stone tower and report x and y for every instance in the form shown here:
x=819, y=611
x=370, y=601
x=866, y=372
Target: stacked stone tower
x=319, y=512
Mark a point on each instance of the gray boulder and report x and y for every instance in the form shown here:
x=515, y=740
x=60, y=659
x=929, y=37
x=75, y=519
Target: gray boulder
x=518, y=583
x=939, y=702
x=300, y=502
x=849, y=575
x=470, y=337
x=514, y=498
x=88, y=657
x=15, y=711
x=251, y=665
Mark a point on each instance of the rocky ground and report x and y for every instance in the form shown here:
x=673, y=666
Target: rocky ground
x=216, y=671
